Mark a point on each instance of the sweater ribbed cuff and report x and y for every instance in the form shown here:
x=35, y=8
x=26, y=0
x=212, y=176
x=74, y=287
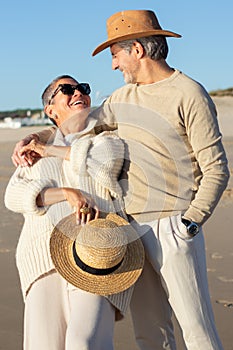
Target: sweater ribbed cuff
x=24, y=199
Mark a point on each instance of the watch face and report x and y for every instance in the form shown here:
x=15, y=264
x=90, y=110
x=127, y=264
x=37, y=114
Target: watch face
x=193, y=229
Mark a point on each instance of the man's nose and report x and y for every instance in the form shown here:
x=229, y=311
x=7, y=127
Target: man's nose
x=114, y=65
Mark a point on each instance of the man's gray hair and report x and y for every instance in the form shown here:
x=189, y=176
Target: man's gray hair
x=155, y=46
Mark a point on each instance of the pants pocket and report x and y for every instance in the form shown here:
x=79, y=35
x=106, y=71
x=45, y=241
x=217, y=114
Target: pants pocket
x=179, y=229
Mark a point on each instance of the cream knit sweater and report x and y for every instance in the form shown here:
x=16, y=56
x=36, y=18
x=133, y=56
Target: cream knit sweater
x=94, y=167
x=175, y=161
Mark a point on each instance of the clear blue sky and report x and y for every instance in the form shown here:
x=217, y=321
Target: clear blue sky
x=45, y=38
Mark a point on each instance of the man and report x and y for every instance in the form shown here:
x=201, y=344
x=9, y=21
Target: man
x=174, y=175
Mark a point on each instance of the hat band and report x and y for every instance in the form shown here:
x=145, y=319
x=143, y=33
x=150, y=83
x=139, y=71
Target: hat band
x=93, y=270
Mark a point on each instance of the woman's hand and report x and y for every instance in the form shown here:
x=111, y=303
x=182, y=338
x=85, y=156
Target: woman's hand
x=84, y=205
x=41, y=150
x=23, y=159
x=86, y=209
x=35, y=147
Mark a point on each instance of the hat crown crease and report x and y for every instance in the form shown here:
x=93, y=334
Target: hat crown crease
x=124, y=24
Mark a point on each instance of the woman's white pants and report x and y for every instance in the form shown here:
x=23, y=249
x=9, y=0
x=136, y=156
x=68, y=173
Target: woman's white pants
x=61, y=317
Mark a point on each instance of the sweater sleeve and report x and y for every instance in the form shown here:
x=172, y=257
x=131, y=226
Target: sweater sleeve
x=100, y=157
x=106, y=120
x=21, y=193
x=205, y=138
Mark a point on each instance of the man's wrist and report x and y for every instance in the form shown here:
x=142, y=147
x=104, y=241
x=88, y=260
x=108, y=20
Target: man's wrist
x=191, y=226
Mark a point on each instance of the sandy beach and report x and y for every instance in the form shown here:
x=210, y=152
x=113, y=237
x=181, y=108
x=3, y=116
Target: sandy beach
x=219, y=251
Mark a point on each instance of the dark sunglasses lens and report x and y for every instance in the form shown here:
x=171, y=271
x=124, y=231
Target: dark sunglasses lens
x=84, y=88
x=67, y=89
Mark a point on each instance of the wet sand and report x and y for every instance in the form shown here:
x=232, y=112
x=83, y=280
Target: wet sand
x=219, y=252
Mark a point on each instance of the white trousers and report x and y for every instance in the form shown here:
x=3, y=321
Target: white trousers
x=174, y=278
x=61, y=317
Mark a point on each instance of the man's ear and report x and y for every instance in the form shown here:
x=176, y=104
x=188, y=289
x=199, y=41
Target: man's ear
x=138, y=49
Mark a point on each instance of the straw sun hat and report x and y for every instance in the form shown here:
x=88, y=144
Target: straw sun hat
x=103, y=257
x=132, y=24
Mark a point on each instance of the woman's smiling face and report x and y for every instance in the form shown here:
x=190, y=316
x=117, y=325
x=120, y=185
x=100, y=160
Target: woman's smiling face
x=65, y=106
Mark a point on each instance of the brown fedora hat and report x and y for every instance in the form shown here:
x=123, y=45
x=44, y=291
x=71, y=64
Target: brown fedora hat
x=132, y=24
x=102, y=257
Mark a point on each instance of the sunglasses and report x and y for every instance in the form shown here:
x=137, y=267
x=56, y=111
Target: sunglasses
x=68, y=89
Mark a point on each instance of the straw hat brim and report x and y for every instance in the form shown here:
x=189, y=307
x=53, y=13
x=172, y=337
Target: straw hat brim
x=61, y=250
x=136, y=35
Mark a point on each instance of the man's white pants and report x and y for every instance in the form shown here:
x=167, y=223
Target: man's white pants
x=174, y=278
x=61, y=317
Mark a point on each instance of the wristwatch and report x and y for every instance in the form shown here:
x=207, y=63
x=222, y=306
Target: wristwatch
x=191, y=226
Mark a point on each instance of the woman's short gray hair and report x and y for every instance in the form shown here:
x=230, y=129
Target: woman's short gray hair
x=155, y=46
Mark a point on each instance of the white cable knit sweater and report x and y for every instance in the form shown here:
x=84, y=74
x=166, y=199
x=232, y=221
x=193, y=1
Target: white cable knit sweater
x=94, y=166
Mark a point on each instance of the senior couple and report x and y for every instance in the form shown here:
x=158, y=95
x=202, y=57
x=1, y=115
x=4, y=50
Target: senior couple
x=164, y=171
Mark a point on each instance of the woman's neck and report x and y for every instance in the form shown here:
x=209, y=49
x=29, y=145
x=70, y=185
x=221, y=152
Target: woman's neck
x=74, y=124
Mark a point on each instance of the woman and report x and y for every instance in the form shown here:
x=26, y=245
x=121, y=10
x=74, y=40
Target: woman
x=81, y=178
